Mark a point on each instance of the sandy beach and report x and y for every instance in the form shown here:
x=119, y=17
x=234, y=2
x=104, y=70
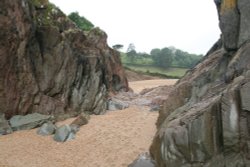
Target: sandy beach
x=111, y=140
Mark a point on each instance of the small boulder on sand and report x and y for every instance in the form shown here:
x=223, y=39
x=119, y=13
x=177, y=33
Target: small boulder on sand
x=64, y=133
x=81, y=120
x=115, y=104
x=143, y=160
x=47, y=128
x=68, y=132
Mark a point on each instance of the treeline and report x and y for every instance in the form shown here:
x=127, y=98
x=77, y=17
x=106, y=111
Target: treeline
x=166, y=57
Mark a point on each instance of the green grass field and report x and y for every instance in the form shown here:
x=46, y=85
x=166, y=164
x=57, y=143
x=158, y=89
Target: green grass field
x=171, y=72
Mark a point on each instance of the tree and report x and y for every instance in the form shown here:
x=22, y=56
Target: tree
x=81, y=21
x=162, y=58
x=155, y=52
x=131, y=52
x=131, y=47
x=117, y=47
x=185, y=59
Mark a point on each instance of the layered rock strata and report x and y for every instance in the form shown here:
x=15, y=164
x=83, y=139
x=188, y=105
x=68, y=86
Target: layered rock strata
x=205, y=122
x=49, y=66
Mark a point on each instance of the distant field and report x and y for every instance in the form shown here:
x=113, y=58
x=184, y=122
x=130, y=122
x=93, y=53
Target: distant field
x=172, y=72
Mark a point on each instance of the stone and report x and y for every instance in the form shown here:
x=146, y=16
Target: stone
x=143, y=160
x=30, y=121
x=74, y=128
x=155, y=108
x=64, y=133
x=229, y=24
x=244, y=34
x=115, y=104
x=61, y=71
x=47, y=128
x=245, y=96
x=81, y=120
x=4, y=125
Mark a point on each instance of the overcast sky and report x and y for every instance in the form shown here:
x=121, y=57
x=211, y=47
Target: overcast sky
x=190, y=25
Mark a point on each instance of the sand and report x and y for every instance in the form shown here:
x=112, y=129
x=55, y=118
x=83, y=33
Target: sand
x=111, y=140
x=138, y=86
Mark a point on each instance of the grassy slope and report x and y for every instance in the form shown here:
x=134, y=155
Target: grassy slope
x=145, y=66
x=171, y=72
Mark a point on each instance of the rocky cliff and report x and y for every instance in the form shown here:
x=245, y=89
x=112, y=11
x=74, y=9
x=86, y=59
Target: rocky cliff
x=206, y=119
x=49, y=66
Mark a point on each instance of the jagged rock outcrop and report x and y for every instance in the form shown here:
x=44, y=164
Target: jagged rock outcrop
x=205, y=122
x=49, y=66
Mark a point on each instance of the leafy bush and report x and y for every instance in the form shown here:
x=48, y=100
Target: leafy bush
x=81, y=21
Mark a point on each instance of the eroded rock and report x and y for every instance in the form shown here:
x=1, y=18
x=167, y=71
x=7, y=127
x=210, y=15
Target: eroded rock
x=64, y=133
x=205, y=120
x=47, y=128
x=50, y=66
x=115, y=104
x=143, y=160
x=30, y=121
x=4, y=125
x=81, y=120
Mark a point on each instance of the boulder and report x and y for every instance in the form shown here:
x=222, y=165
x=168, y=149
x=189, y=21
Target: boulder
x=155, y=108
x=4, y=125
x=64, y=133
x=30, y=121
x=47, y=128
x=143, y=160
x=81, y=120
x=115, y=104
x=74, y=128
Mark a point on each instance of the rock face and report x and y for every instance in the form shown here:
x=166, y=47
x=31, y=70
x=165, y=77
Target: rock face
x=49, y=66
x=205, y=120
x=4, y=125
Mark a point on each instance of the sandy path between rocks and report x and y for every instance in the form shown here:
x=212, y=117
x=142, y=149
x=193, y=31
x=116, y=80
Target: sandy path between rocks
x=138, y=86
x=111, y=140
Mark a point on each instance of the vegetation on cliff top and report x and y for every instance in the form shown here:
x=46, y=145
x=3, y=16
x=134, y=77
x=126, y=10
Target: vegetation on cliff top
x=81, y=21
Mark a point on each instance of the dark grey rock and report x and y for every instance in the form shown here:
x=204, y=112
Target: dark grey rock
x=245, y=96
x=155, y=108
x=74, y=128
x=229, y=24
x=144, y=160
x=29, y=121
x=244, y=34
x=47, y=128
x=64, y=133
x=4, y=125
x=211, y=129
x=115, y=104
